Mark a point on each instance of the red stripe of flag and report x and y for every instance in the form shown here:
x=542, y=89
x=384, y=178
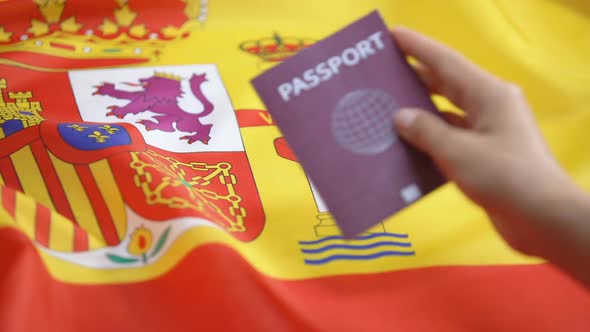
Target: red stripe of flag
x=52, y=182
x=101, y=210
x=9, y=200
x=57, y=193
x=446, y=299
x=80, y=239
x=42, y=225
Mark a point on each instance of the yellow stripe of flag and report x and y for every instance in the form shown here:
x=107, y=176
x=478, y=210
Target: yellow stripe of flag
x=79, y=203
x=5, y=218
x=30, y=177
x=25, y=212
x=105, y=180
x=61, y=233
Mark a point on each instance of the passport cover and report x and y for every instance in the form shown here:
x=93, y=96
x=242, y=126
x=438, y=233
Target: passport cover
x=334, y=103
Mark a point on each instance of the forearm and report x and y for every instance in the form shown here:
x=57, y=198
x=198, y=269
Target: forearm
x=565, y=226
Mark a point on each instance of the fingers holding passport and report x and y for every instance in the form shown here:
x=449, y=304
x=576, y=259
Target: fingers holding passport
x=447, y=72
x=490, y=103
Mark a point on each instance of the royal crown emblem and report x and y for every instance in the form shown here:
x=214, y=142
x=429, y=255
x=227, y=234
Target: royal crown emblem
x=275, y=48
x=81, y=34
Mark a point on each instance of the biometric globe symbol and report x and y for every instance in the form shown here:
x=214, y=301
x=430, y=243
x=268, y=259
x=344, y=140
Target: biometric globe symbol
x=362, y=121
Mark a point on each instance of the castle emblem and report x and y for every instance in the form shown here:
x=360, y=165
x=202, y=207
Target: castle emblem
x=20, y=114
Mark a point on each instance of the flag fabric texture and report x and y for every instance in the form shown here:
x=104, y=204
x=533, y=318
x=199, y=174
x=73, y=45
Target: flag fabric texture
x=143, y=187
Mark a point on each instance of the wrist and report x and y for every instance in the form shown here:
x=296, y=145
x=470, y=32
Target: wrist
x=564, y=230
x=539, y=212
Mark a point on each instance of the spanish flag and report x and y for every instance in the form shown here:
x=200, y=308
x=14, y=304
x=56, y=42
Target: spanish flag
x=143, y=187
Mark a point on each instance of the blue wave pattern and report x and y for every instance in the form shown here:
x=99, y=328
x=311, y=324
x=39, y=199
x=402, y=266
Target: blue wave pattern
x=366, y=247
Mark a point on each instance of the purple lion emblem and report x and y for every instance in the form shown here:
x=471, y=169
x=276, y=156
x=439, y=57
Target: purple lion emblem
x=159, y=95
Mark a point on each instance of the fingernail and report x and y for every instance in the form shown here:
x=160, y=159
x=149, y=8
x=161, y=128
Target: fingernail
x=405, y=117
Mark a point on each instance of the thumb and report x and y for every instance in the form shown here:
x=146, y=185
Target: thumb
x=424, y=130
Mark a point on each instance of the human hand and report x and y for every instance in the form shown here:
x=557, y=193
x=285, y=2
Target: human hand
x=495, y=153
